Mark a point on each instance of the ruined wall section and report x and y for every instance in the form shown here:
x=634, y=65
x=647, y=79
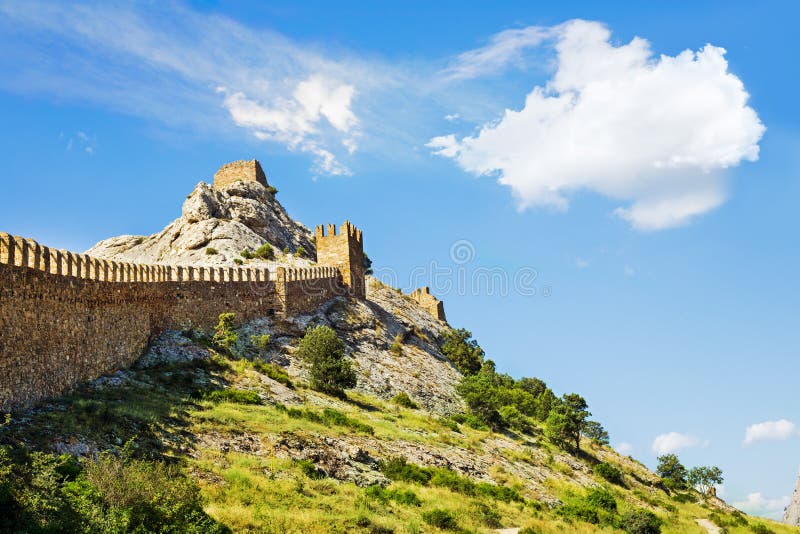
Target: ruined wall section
x=242, y=170
x=304, y=290
x=433, y=305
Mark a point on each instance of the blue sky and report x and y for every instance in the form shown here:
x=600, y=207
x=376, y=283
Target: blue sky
x=654, y=198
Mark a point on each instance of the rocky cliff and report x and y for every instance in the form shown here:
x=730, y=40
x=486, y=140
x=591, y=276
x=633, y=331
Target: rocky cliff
x=215, y=226
x=792, y=514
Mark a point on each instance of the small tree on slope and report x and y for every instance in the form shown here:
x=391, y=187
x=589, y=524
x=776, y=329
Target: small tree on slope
x=323, y=351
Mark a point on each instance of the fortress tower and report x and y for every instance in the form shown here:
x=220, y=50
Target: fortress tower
x=242, y=170
x=344, y=250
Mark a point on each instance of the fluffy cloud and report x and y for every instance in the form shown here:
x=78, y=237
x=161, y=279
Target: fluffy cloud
x=654, y=132
x=770, y=431
x=673, y=442
x=757, y=504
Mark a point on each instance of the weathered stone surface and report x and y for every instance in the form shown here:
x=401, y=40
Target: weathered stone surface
x=792, y=514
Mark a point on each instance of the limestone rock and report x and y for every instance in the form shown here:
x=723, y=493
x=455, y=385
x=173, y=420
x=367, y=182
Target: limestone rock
x=792, y=514
x=229, y=219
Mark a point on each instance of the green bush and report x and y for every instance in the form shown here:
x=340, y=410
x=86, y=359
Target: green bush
x=300, y=252
x=579, y=511
x=261, y=342
x=440, y=518
x=210, y=251
x=402, y=399
x=761, y=528
x=265, y=252
x=49, y=493
x=602, y=499
x=608, y=472
x=488, y=516
x=272, y=190
x=310, y=470
x=236, y=396
x=330, y=417
x=684, y=497
x=275, y=372
x=247, y=254
x=498, y=492
x=640, y=522
x=404, y=497
x=238, y=261
x=398, y=469
x=323, y=351
x=224, y=336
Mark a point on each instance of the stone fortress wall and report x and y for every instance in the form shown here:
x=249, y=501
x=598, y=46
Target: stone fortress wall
x=431, y=304
x=67, y=318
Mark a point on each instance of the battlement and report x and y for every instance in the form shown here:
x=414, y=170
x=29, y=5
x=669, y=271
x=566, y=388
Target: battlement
x=67, y=318
x=424, y=298
x=344, y=250
x=240, y=171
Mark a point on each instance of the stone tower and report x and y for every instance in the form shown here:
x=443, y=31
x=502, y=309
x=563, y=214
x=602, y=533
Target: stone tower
x=240, y=171
x=792, y=514
x=344, y=250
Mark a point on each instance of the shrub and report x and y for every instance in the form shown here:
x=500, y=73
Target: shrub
x=497, y=492
x=247, y=254
x=398, y=469
x=449, y=424
x=224, y=336
x=488, y=516
x=310, y=470
x=404, y=497
x=272, y=190
x=265, y=252
x=238, y=261
x=684, y=497
x=602, y=499
x=608, y=472
x=761, y=528
x=515, y=419
x=335, y=417
x=580, y=511
x=236, y=396
x=260, y=341
x=275, y=372
x=322, y=349
x=397, y=345
x=300, y=252
x=440, y=518
x=402, y=399
x=285, y=251
x=210, y=251
x=640, y=522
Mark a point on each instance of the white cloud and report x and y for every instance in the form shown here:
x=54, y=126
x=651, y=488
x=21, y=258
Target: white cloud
x=654, y=132
x=188, y=69
x=624, y=448
x=452, y=117
x=757, y=504
x=581, y=263
x=673, y=442
x=770, y=431
x=504, y=48
x=629, y=271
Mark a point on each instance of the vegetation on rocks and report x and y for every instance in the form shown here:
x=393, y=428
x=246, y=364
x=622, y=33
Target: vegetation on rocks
x=323, y=351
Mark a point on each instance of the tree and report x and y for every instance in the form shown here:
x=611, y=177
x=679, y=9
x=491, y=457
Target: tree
x=323, y=351
x=672, y=471
x=595, y=432
x=567, y=420
x=704, y=478
x=465, y=353
x=367, y=265
x=224, y=336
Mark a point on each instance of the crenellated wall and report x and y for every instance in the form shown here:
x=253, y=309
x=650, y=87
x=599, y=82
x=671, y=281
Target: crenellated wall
x=67, y=318
x=344, y=250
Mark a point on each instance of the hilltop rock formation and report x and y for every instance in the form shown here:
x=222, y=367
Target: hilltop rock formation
x=792, y=514
x=223, y=218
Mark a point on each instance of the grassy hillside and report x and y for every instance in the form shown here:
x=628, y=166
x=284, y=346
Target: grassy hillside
x=223, y=444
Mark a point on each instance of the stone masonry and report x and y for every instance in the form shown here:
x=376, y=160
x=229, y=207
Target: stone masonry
x=242, y=170
x=66, y=318
x=433, y=305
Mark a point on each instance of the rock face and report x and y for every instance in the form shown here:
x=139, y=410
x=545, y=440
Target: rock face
x=792, y=514
x=226, y=219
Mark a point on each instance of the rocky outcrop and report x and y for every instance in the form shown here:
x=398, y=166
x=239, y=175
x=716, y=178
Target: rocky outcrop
x=215, y=225
x=792, y=514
